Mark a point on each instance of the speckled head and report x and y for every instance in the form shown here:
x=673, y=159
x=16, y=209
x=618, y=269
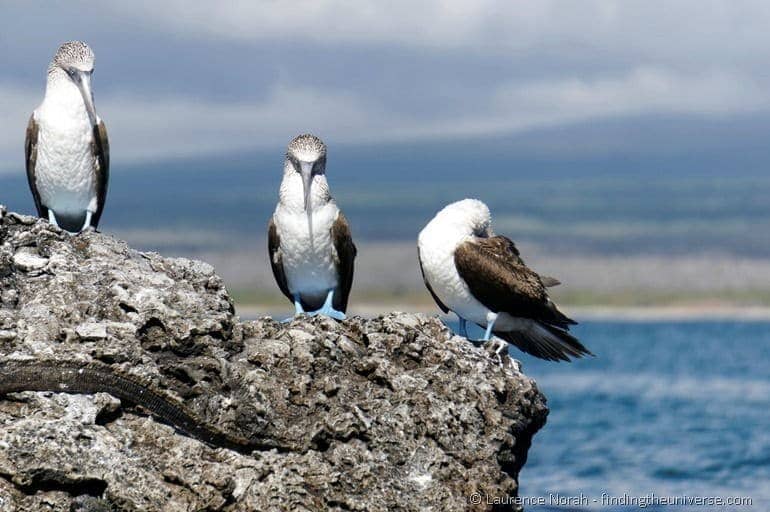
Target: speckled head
x=74, y=56
x=306, y=155
x=306, y=148
x=74, y=61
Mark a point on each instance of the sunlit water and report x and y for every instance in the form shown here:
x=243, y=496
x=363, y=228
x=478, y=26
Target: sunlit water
x=673, y=409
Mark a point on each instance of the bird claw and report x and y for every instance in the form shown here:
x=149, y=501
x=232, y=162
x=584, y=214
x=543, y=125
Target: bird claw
x=514, y=364
x=496, y=346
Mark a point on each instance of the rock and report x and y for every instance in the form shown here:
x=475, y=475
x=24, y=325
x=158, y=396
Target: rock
x=392, y=413
x=27, y=259
x=91, y=331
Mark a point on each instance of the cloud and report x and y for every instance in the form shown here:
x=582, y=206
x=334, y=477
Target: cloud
x=644, y=90
x=430, y=22
x=685, y=29
x=166, y=127
x=144, y=128
x=184, y=78
x=177, y=126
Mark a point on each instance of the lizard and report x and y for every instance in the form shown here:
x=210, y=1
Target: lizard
x=88, y=378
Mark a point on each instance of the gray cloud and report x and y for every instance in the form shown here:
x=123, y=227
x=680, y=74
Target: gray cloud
x=180, y=78
x=687, y=28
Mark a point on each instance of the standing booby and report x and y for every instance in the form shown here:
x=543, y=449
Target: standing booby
x=67, y=152
x=309, y=241
x=482, y=279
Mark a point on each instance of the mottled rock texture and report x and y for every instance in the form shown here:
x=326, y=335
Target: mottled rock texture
x=392, y=413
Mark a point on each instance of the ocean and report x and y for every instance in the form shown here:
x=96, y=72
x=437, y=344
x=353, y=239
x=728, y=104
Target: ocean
x=665, y=411
x=676, y=410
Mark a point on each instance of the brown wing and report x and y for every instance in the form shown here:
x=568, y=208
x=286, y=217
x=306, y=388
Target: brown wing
x=440, y=304
x=30, y=151
x=276, y=263
x=346, y=254
x=101, y=150
x=499, y=279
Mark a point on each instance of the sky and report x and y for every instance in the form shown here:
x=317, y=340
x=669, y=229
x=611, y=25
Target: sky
x=181, y=79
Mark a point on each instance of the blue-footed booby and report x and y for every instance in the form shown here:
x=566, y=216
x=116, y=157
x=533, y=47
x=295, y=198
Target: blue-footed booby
x=67, y=152
x=311, y=249
x=482, y=279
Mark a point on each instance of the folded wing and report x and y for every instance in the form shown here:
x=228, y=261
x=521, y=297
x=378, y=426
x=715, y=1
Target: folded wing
x=346, y=255
x=30, y=153
x=101, y=151
x=499, y=279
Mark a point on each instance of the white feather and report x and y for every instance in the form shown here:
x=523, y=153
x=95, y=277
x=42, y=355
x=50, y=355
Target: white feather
x=65, y=163
x=308, y=262
x=458, y=223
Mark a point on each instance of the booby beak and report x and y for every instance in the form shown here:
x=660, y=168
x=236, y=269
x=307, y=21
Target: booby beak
x=306, y=169
x=83, y=80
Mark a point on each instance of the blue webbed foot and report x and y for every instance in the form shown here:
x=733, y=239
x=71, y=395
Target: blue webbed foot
x=331, y=313
x=298, y=310
x=87, y=223
x=328, y=310
x=463, y=327
x=491, y=319
x=52, y=218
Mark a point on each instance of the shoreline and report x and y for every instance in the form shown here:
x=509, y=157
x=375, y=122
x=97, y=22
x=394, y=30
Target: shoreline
x=671, y=313
x=700, y=312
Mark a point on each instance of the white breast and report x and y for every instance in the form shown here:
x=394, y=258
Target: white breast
x=437, y=244
x=65, y=162
x=308, y=262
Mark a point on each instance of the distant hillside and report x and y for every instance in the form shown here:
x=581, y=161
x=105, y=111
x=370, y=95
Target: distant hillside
x=589, y=201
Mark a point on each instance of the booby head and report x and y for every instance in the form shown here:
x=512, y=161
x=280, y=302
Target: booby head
x=76, y=59
x=470, y=217
x=306, y=155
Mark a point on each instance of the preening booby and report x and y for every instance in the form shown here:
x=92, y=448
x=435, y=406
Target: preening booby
x=309, y=241
x=482, y=279
x=68, y=156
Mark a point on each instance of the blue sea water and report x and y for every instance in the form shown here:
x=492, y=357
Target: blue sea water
x=669, y=408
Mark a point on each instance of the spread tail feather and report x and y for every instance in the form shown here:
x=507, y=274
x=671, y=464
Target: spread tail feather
x=546, y=342
x=559, y=319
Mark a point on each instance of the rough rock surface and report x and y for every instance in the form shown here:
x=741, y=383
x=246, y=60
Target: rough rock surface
x=392, y=413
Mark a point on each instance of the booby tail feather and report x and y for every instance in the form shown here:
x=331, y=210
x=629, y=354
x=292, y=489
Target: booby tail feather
x=546, y=342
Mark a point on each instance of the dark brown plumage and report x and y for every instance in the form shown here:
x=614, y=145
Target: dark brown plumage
x=101, y=150
x=30, y=156
x=346, y=255
x=551, y=343
x=498, y=277
x=274, y=251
